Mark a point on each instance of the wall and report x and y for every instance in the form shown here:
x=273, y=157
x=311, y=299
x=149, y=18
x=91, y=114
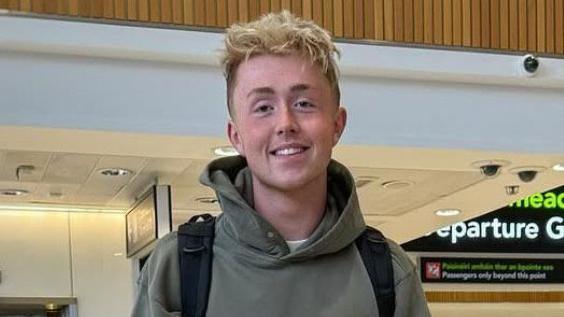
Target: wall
x=34, y=254
x=59, y=254
x=157, y=81
x=101, y=273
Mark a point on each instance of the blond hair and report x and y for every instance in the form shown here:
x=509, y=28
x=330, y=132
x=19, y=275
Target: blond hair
x=279, y=34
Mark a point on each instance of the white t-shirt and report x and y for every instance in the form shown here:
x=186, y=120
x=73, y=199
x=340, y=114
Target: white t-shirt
x=293, y=245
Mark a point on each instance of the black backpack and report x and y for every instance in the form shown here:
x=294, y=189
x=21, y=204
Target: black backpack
x=195, y=247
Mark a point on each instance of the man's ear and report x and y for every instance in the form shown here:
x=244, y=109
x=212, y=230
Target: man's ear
x=235, y=137
x=340, y=123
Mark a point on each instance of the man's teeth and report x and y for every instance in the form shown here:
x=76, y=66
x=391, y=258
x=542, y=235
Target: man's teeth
x=289, y=151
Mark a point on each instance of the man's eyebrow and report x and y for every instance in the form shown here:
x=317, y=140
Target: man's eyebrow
x=270, y=91
x=261, y=90
x=300, y=87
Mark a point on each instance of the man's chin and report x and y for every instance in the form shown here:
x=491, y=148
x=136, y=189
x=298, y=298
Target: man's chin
x=289, y=183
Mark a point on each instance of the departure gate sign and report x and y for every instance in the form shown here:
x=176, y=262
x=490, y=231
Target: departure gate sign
x=531, y=225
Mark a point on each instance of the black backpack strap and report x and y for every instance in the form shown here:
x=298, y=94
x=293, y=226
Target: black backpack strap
x=377, y=258
x=195, y=247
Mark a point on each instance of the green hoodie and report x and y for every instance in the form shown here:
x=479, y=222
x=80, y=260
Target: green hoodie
x=254, y=273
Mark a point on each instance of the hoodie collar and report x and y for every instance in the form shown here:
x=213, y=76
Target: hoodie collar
x=232, y=181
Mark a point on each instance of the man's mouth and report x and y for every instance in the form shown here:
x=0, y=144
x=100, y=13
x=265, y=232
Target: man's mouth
x=290, y=150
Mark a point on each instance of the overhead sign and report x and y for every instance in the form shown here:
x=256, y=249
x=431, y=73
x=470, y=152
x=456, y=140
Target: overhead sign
x=141, y=224
x=547, y=200
x=149, y=219
x=486, y=270
x=531, y=225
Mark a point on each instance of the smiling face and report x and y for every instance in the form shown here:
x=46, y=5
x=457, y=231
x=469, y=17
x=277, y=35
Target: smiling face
x=286, y=121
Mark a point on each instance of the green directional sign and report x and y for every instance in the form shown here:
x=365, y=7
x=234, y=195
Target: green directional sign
x=548, y=200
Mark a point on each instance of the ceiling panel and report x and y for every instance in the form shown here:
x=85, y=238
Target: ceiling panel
x=55, y=193
x=422, y=187
x=156, y=171
x=185, y=198
x=65, y=168
x=101, y=188
x=15, y=159
x=191, y=175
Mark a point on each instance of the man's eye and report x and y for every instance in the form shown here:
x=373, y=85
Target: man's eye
x=304, y=104
x=263, y=108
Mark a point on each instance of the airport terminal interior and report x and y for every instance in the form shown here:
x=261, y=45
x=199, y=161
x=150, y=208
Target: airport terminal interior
x=110, y=110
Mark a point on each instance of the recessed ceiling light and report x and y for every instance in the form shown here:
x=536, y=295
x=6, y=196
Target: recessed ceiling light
x=396, y=184
x=206, y=200
x=558, y=167
x=114, y=171
x=13, y=192
x=226, y=150
x=447, y=212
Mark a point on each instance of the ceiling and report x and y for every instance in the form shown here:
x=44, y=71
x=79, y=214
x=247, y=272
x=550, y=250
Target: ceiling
x=399, y=188
x=71, y=179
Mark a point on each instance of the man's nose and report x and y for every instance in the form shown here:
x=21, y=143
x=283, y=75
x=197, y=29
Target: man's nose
x=287, y=122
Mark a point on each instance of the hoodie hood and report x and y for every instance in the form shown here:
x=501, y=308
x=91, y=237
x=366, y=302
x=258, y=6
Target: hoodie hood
x=342, y=222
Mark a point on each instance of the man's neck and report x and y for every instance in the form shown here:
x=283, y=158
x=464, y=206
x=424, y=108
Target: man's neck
x=294, y=214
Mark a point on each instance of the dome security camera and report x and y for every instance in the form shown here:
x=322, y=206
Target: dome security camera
x=529, y=65
x=490, y=170
x=527, y=173
x=527, y=176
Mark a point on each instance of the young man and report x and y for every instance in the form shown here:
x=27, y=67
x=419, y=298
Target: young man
x=285, y=242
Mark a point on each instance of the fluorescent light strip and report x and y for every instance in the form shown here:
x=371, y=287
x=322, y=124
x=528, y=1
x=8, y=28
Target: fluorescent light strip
x=57, y=208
